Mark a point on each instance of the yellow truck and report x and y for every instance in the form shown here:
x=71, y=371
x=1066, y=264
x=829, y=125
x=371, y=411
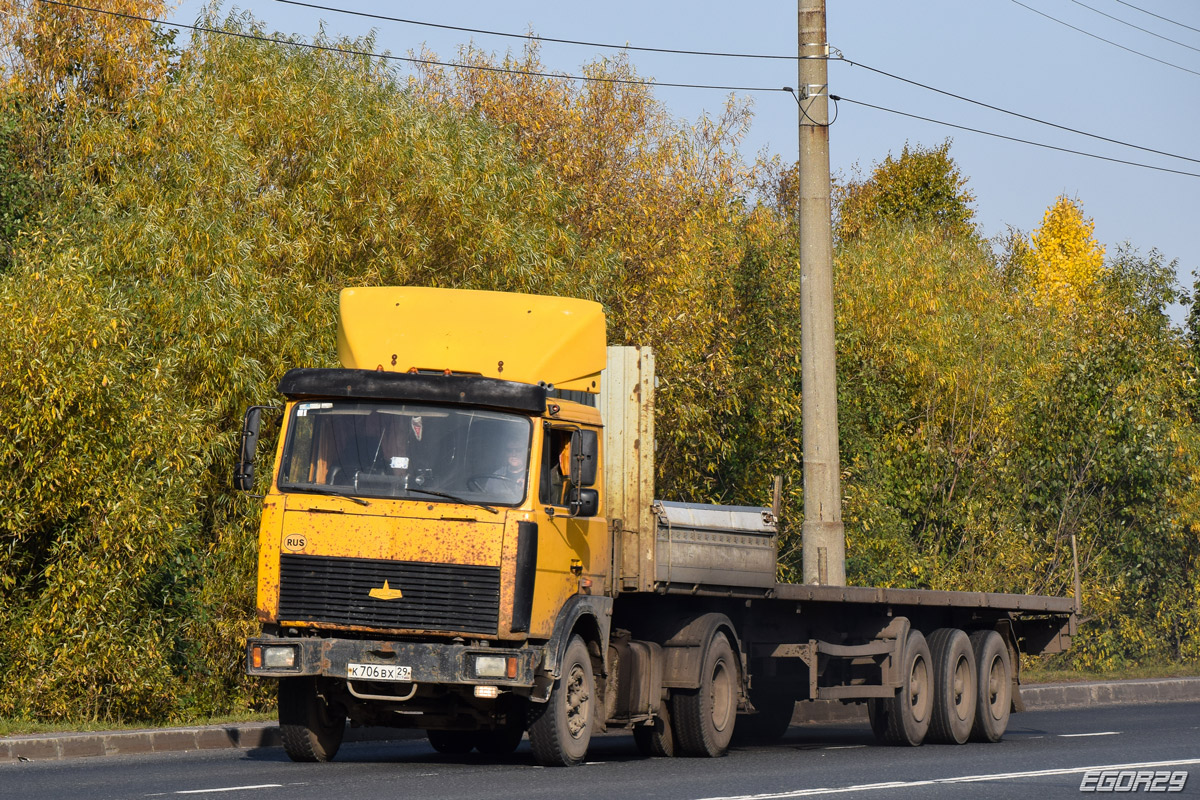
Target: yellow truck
x=460, y=535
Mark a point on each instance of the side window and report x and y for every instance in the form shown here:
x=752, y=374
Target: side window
x=555, y=465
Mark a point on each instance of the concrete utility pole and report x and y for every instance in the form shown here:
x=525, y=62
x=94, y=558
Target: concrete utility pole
x=822, y=535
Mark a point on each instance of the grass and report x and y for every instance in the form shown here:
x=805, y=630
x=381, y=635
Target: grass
x=1032, y=672
x=25, y=727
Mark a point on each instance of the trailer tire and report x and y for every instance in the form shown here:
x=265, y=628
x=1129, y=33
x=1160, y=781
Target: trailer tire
x=704, y=718
x=310, y=728
x=903, y=719
x=955, y=682
x=561, y=728
x=994, y=684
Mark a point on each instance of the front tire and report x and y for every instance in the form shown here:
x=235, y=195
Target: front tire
x=704, y=718
x=311, y=728
x=560, y=729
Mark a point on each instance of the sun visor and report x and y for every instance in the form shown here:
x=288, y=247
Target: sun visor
x=514, y=337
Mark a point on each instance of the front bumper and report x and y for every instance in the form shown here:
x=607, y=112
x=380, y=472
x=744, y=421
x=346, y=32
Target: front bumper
x=431, y=663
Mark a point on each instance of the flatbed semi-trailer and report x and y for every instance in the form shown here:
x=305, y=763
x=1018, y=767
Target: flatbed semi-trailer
x=460, y=534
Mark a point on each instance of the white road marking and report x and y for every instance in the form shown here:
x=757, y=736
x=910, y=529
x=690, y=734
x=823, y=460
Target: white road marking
x=1079, y=735
x=231, y=788
x=999, y=776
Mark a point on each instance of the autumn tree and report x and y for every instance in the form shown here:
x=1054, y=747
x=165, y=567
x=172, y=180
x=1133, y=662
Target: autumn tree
x=922, y=187
x=1064, y=261
x=59, y=53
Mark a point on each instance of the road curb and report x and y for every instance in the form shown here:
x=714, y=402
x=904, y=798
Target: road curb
x=254, y=735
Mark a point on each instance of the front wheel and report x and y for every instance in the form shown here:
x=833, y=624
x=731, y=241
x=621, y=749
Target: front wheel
x=560, y=729
x=704, y=718
x=310, y=727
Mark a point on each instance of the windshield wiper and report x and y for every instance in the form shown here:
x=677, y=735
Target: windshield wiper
x=326, y=490
x=452, y=497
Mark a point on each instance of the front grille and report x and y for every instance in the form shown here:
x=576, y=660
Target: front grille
x=437, y=597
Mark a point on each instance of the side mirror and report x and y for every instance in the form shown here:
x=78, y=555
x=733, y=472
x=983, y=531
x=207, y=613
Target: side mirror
x=584, y=502
x=243, y=476
x=585, y=451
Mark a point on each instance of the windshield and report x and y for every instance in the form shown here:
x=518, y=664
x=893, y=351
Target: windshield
x=431, y=453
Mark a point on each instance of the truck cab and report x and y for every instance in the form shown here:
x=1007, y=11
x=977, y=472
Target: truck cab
x=433, y=532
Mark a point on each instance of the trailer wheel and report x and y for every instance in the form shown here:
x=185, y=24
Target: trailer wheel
x=994, y=685
x=955, y=686
x=451, y=743
x=657, y=739
x=904, y=718
x=561, y=728
x=704, y=718
x=310, y=728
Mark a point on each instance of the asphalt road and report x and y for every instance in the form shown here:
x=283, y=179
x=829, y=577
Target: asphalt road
x=1044, y=755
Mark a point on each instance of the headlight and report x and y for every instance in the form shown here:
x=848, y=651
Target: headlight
x=279, y=657
x=491, y=666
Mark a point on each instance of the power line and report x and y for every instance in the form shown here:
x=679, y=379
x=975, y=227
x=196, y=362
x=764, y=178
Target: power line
x=452, y=65
x=533, y=37
x=411, y=59
x=1021, y=116
x=1015, y=139
x=1136, y=27
x=1106, y=41
x=1159, y=16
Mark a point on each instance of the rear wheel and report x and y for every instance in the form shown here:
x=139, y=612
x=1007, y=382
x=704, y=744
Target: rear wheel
x=772, y=721
x=310, y=727
x=955, y=692
x=451, y=743
x=561, y=728
x=657, y=739
x=904, y=718
x=994, y=685
x=500, y=742
x=704, y=718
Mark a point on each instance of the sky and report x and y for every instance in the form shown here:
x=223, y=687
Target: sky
x=1043, y=59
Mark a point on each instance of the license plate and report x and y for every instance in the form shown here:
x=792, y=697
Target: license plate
x=378, y=672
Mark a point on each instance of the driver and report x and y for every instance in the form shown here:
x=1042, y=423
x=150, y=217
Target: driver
x=508, y=481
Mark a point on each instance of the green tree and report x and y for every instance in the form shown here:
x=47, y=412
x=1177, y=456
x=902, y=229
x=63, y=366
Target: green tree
x=923, y=187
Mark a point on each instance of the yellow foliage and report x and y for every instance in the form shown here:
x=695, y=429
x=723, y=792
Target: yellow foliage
x=64, y=54
x=1065, y=260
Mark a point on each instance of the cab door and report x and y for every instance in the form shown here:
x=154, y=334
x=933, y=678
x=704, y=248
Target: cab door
x=573, y=545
